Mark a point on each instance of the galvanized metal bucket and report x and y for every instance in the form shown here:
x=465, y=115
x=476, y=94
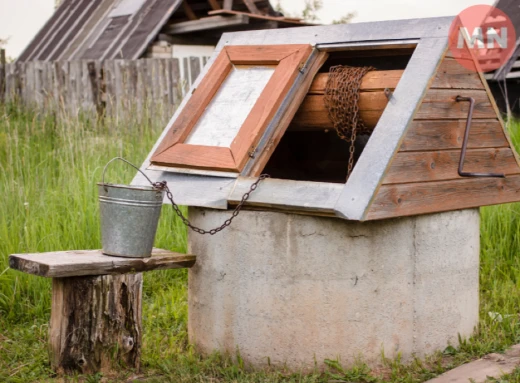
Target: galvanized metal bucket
x=129, y=217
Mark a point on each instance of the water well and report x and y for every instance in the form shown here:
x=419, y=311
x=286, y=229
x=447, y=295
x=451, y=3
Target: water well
x=316, y=266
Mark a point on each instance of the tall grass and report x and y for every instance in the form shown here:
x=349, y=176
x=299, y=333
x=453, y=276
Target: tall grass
x=49, y=168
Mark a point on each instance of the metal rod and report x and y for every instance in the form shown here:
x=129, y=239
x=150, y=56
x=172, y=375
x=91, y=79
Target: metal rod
x=462, y=173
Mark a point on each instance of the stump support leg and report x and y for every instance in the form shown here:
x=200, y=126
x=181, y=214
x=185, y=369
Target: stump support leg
x=96, y=323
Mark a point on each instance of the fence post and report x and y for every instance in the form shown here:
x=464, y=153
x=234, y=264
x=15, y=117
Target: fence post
x=96, y=85
x=2, y=76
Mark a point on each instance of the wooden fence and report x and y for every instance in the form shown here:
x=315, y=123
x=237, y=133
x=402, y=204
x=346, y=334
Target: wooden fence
x=137, y=88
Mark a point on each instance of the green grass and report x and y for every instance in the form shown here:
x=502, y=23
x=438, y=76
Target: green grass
x=49, y=168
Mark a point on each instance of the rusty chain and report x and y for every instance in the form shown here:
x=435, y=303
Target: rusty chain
x=342, y=103
x=162, y=185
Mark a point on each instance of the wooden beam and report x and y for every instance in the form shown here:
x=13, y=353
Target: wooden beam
x=252, y=7
x=214, y=4
x=188, y=39
x=188, y=11
x=513, y=75
x=227, y=13
x=428, y=166
x=206, y=23
x=228, y=5
x=449, y=134
x=433, y=197
x=93, y=262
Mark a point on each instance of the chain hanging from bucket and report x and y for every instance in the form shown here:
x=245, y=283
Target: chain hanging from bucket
x=162, y=185
x=342, y=103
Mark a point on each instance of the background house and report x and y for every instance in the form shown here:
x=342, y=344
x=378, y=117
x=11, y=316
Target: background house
x=505, y=82
x=134, y=29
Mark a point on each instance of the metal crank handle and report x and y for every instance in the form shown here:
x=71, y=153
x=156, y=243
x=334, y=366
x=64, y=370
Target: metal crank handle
x=461, y=171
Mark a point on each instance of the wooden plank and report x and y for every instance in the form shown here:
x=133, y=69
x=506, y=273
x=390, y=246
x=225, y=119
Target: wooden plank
x=195, y=68
x=2, y=75
x=441, y=104
x=228, y=5
x=93, y=262
x=188, y=11
x=449, y=134
x=301, y=196
x=226, y=13
x=264, y=54
x=109, y=81
x=206, y=23
x=197, y=157
x=408, y=167
x=250, y=4
x=214, y=4
x=108, y=37
x=432, y=197
x=452, y=75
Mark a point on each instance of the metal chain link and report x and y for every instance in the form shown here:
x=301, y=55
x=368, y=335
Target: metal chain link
x=162, y=185
x=342, y=102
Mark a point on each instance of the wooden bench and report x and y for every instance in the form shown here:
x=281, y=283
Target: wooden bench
x=96, y=314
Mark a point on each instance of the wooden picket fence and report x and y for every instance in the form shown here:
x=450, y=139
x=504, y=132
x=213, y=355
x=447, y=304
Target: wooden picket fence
x=116, y=88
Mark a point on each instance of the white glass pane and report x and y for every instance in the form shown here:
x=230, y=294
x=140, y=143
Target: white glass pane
x=226, y=113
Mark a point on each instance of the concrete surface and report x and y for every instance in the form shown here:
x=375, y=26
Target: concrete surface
x=481, y=370
x=294, y=290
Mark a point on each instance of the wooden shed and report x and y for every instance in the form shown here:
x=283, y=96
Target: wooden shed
x=505, y=81
x=134, y=29
x=411, y=99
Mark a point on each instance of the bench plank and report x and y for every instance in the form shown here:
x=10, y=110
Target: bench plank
x=93, y=262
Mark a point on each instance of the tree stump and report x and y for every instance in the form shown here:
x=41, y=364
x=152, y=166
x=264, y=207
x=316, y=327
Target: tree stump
x=96, y=323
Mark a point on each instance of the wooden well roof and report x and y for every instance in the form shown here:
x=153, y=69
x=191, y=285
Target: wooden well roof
x=411, y=163
x=123, y=29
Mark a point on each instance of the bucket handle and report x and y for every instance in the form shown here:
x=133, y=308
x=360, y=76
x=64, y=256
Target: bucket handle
x=129, y=163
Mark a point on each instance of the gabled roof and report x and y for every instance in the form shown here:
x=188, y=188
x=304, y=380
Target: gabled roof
x=123, y=29
x=412, y=162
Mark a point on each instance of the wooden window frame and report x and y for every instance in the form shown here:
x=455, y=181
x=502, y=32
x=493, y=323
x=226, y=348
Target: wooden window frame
x=174, y=152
